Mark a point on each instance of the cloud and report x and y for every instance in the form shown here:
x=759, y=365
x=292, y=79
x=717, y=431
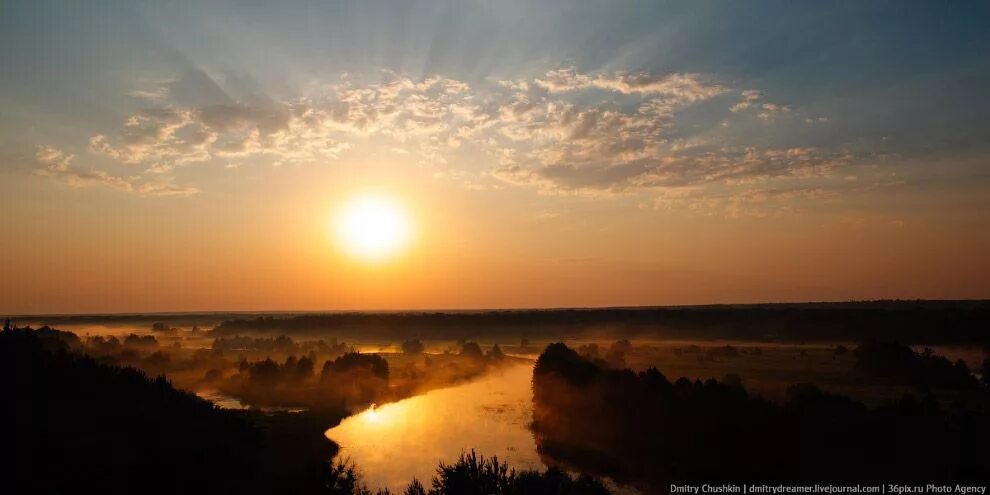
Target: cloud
x=560, y=80
x=164, y=188
x=749, y=96
x=683, y=88
x=430, y=116
x=680, y=87
x=57, y=165
x=770, y=111
x=723, y=166
x=542, y=132
x=766, y=111
x=152, y=91
x=755, y=202
x=153, y=95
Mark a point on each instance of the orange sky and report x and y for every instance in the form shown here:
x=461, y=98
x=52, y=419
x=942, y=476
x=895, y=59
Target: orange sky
x=256, y=246
x=169, y=157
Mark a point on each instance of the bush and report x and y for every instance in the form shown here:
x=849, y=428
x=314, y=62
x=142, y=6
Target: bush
x=476, y=475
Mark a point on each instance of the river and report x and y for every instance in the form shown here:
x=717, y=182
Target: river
x=393, y=443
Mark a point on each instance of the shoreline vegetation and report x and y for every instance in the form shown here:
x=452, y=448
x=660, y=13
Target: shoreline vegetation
x=646, y=430
x=322, y=375
x=119, y=414
x=81, y=425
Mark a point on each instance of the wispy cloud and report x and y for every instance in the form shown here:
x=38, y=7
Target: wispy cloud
x=57, y=165
x=749, y=96
x=755, y=202
x=680, y=87
x=539, y=132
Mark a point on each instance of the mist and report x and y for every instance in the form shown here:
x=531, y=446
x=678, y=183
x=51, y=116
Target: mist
x=628, y=398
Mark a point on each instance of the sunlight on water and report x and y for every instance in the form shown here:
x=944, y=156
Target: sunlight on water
x=395, y=442
x=222, y=401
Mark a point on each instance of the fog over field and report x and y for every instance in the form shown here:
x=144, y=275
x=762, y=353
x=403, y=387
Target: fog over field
x=571, y=389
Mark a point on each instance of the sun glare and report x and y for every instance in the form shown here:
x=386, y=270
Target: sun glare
x=374, y=414
x=373, y=227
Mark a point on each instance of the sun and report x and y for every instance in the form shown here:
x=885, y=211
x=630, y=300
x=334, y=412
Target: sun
x=373, y=227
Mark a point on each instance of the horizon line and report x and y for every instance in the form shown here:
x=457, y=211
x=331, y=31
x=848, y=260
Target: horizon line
x=492, y=309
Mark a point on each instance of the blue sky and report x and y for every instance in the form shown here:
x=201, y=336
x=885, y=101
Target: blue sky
x=894, y=75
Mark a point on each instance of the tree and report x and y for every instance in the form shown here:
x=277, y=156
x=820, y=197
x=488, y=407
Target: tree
x=413, y=346
x=354, y=361
x=304, y=368
x=472, y=350
x=264, y=372
x=496, y=353
x=415, y=488
x=140, y=340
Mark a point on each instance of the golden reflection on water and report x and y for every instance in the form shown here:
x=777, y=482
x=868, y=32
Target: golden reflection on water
x=392, y=443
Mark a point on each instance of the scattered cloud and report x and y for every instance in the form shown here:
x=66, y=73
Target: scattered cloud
x=680, y=87
x=165, y=188
x=770, y=111
x=151, y=91
x=755, y=202
x=545, y=132
x=722, y=166
x=748, y=97
x=57, y=165
x=766, y=111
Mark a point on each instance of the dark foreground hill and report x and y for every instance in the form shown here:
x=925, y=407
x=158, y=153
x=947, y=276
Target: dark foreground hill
x=73, y=425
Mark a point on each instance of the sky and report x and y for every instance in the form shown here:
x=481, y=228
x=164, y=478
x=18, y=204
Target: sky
x=192, y=156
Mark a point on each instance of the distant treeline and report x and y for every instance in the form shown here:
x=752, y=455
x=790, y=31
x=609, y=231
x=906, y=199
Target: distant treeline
x=912, y=322
x=645, y=429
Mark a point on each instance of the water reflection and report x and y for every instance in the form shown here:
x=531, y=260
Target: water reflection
x=221, y=400
x=395, y=442
x=224, y=401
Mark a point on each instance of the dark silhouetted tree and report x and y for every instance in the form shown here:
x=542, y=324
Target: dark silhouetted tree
x=304, y=368
x=413, y=346
x=495, y=354
x=641, y=428
x=472, y=350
